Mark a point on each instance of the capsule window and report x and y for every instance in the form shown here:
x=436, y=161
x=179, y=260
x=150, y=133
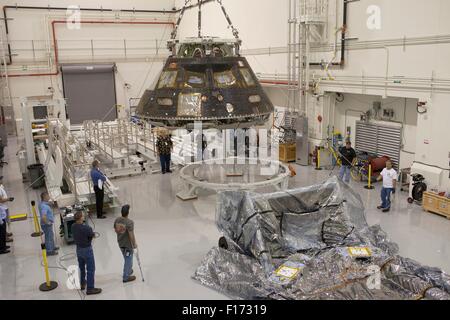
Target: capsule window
x=195, y=80
x=167, y=79
x=248, y=78
x=225, y=79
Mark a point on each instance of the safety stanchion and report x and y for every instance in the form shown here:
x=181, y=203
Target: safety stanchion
x=48, y=285
x=37, y=228
x=318, y=160
x=369, y=183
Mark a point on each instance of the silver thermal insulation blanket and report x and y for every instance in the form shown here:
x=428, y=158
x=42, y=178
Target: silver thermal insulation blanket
x=310, y=243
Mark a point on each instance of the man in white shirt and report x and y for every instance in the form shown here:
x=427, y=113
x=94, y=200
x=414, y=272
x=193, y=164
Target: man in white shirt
x=389, y=177
x=4, y=199
x=3, y=247
x=3, y=220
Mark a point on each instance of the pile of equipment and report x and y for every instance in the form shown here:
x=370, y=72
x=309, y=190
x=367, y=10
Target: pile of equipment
x=310, y=243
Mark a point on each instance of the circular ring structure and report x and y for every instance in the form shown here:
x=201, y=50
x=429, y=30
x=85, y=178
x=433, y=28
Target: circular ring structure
x=223, y=173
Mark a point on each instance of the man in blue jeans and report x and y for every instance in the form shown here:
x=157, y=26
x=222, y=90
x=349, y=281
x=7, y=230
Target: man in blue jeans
x=98, y=181
x=164, y=148
x=347, y=155
x=389, y=177
x=124, y=228
x=83, y=235
x=3, y=247
x=47, y=220
x=4, y=199
x=4, y=216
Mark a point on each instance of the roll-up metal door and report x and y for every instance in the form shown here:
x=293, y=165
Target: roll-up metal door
x=90, y=92
x=381, y=139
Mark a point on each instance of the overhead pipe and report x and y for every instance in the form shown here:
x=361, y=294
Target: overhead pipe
x=412, y=84
x=358, y=45
x=55, y=46
x=279, y=82
x=394, y=79
x=49, y=8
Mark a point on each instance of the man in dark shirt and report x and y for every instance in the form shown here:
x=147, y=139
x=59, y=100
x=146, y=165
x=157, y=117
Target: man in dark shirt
x=202, y=144
x=164, y=147
x=83, y=235
x=347, y=155
x=124, y=228
x=98, y=180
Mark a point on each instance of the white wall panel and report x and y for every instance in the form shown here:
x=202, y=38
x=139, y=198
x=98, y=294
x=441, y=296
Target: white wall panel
x=33, y=25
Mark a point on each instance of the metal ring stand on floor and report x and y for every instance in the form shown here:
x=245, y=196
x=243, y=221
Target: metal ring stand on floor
x=233, y=168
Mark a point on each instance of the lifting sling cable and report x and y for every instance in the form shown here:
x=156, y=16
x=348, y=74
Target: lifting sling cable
x=199, y=18
x=230, y=24
x=175, y=30
x=200, y=2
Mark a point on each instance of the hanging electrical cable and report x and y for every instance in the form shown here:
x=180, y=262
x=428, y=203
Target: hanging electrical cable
x=152, y=62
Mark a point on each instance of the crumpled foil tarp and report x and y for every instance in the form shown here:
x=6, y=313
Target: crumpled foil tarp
x=315, y=227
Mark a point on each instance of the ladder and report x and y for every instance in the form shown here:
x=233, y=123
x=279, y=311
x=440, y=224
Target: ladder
x=305, y=18
x=293, y=55
x=5, y=91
